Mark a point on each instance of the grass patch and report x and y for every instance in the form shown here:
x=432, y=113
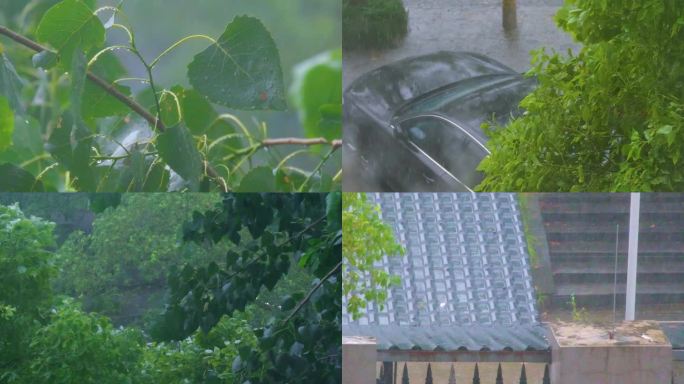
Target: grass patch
x=372, y=24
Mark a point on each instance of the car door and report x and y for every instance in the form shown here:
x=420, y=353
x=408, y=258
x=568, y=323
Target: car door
x=440, y=154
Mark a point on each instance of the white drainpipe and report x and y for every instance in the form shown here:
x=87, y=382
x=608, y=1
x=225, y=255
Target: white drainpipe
x=632, y=254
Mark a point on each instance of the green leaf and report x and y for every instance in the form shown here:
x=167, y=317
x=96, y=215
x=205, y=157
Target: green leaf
x=70, y=144
x=10, y=84
x=78, y=80
x=202, y=119
x=28, y=136
x=333, y=210
x=97, y=102
x=198, y=113
x=68, y=25
x=242, y=70
x=259, y=179
x=6, y=124
x=317, y=83
x=170, y=113
x=177, y=148
x=15, y=179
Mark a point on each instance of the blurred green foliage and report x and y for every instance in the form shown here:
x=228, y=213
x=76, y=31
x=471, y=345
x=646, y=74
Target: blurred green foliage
x=60, y=131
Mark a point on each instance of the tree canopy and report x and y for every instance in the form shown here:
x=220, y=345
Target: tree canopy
x=609, y=118
x=253, y=280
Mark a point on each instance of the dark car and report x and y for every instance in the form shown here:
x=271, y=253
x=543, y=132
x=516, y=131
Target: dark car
x=414, y=124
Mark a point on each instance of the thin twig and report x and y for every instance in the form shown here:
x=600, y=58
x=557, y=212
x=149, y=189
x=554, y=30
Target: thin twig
x=311, y=292
x=109, y=88
x=297, y=141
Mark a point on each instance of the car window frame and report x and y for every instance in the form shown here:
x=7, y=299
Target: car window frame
x=397, y=124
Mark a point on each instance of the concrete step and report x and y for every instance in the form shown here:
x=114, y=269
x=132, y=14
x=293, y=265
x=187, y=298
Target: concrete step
x=607, y=267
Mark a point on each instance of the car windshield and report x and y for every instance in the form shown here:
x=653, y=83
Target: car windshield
x=449, y=95
x=448, y=145
x=474, y=101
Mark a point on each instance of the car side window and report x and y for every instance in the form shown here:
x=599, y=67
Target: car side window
x=448, y=145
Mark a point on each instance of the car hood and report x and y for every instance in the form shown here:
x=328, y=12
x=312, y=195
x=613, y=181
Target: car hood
x=381, y=91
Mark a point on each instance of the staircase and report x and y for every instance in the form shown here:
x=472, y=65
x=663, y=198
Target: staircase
x=580, y=230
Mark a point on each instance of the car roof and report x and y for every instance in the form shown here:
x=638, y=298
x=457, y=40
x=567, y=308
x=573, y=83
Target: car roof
x=388, y=87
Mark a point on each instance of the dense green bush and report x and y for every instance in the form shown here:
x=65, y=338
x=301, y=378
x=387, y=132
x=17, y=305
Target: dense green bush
x=610, y=118
x=25, y=271
x=200, y=358
x=373, y=23
x=75, y=347
x=129, y=251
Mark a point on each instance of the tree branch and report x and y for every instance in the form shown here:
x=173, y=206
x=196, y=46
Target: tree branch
x=279, y=245
x=311, y=292
x=109, y=88
x=297, y=141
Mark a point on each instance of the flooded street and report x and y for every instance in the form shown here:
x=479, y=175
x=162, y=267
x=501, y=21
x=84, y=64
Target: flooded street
x=460, y=25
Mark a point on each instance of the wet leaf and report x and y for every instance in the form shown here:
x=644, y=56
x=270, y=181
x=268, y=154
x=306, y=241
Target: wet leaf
x=10, y=84
x=317, y=83
x=259, y=179
x=68, y=25
x=6, y=124
x=97, y=102
x=242, y=70
x=177, y=148
x=15, y=179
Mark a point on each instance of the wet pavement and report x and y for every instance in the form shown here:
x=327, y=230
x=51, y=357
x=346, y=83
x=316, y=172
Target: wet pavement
x=461, y=25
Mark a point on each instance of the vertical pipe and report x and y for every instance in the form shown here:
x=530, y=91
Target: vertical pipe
x=632, y=252
x=509, y=15
x=615, y=267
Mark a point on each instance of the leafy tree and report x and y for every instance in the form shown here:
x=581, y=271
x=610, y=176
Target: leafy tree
x=129, y=251
x=200, y=358
x=301, y=343
x=610, y=118
x=25, y=270
x=366, y=240
x=69, y=212
x=75, y=347
x=68, y=120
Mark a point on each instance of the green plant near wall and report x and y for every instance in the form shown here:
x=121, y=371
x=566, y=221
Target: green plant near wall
x=579, y=314
x=530, y=238
x=609, y=118
x=367, y=239
x=370, y=24
x=66, y=106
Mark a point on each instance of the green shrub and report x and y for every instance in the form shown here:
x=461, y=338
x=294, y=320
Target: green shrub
x=76, y=347
x=200, y=358
x=610, y=118
x=129, y=251
x=25, y=271
x=373, y=23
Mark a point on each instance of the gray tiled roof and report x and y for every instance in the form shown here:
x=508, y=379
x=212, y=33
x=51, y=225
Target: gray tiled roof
x=466, y=264
x=471, y=338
